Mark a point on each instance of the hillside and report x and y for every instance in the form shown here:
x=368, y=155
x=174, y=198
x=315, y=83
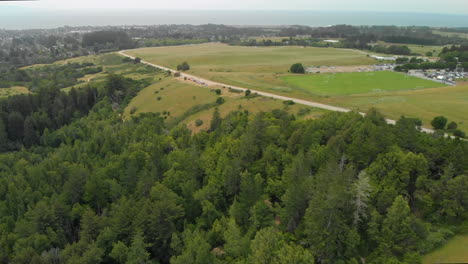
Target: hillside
x=255, y=189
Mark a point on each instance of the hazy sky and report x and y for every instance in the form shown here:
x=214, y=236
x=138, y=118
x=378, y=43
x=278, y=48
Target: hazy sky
x=426, y=6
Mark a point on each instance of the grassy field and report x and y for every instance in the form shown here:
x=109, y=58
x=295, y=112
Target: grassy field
x=251, y=67
x=423, y=49
x=5, y=92
x=175, y=97
x=356, y=82
x=178, y=97
x=451, y=34
x=451, y=101
x=265, y=69
x=418, y=49
x=455, y=251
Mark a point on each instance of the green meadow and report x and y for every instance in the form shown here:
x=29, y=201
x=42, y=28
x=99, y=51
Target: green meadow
x=451, y=101
x=250, y=67
x=266, y=69
x=356, y=82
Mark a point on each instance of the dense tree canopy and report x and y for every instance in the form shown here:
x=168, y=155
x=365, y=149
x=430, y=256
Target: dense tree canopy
x=262, y=188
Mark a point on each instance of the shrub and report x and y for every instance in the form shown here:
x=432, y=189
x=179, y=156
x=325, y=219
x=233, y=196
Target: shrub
x=198, y=122
x=177, y=74
x=133, y=110
x=297, y=68
x=218, y=91
x=459, y=133
x=231, y=90
x=304, y=111
x=248, y=92
x=452, y=126
x=220, y=100
x=439, y=122
x=289, y=102
x=159, y=98
x=183, y=67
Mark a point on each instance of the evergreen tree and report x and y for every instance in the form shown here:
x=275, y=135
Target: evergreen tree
x=137, y=253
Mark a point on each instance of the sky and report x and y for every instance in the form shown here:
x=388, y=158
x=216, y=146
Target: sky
x=415, y=6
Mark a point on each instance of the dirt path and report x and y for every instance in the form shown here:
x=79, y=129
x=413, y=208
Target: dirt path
x=280, y=97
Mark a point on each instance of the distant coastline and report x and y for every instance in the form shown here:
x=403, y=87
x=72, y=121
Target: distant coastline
x=11, y=18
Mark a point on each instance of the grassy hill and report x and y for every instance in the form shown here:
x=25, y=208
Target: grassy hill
x=185, y=102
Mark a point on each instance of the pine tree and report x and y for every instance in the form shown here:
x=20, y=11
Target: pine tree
x=137, y=253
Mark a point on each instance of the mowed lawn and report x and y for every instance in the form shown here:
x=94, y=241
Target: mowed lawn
x=450, y=101
x=357, y=82
x=455, y=251
x=250, y=67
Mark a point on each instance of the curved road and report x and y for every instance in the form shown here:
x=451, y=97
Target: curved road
x=280, y=97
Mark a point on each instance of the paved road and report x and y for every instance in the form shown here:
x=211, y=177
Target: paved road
x=280, y=97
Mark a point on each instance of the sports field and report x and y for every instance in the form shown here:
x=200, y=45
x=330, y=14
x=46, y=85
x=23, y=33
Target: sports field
x=250, y=67
x=357, y=82
x=455, y=251
x=451, y=101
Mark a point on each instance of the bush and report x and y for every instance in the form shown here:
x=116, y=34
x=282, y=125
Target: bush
x=289, y=102
x=137, y=60
x=127, y=59
x=220, y=100
x=297, y=68
x=248, y=92
x=198, y=122
x=452, y=126
x=304, y=111
x=459, y=133
x=183, y=67
x=159, y=98
x=177, y=74
x=439, y=122
x=133, y=110
x=218, y=91
x=232, y=90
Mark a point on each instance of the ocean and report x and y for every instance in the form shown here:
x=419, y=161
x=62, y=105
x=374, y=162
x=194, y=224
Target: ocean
x=18, y=18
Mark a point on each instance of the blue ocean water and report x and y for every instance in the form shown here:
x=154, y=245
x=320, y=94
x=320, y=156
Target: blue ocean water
x=20, y=18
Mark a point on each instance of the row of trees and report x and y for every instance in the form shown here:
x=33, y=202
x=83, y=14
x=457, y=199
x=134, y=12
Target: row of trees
x=450, y=58
x=392, y=49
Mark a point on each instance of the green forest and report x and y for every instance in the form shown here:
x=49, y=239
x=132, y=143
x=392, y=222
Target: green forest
x=254, y=188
